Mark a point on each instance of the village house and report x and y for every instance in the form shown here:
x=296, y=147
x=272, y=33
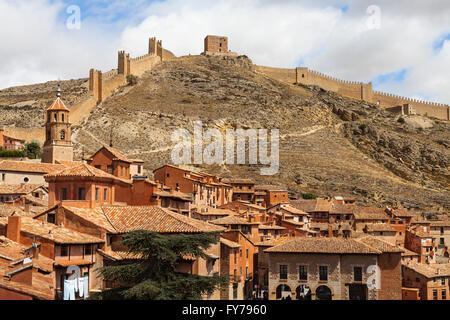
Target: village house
x=318, y=209
x=431, y=281
x=334, y=269
x=17, y=172
x=24, y=273
x=64, y=246
x=382, y=230
x=115, y=163
x=421, y=242
x=13, y=192
x=440, y=230
x=368, y=215
x=10, y=143
x=206, y=213
x=237, y=259
x=272, y=195
x=243, y=189
x=400, y=218
x=207, y=189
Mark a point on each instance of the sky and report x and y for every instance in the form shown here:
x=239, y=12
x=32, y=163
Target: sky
x=402, y=46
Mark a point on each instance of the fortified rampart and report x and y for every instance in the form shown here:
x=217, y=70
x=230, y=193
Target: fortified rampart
x=355, y=90
x=101, y=85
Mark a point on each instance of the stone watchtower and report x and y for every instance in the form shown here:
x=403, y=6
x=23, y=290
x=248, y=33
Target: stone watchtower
x=216, y=44
x=58, y=144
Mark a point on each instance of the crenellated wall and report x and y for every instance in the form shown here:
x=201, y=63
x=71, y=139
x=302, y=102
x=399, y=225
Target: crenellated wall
x=101, y=85
x=355, y=90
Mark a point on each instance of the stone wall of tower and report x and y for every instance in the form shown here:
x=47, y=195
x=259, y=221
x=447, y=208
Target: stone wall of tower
x=57, y=147
x=216, y=44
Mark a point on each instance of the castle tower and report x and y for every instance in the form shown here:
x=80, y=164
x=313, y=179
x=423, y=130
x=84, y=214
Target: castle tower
x=58, y=144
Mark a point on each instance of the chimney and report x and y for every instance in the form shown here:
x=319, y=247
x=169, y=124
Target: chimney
x=27, y=207
x=35, y=250
x=330, y=230
x=13, y=228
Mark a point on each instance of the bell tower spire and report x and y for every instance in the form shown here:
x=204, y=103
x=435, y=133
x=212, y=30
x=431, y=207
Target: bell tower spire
x=58, y=144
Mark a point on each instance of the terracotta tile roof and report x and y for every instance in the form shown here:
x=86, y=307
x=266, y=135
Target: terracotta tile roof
x=154, y=218
x=238, y=181
x=270, y=227
x=58, y=105
x=29, y=167
x=313, y=205
x=95, y=216
x=401, y=213
x=407, y=253
x=370, y=213
x=42, y=287
x=35, y=201
x=442, y=223
x=324, y=245
x=340, y=208
x=274, y=242
x=53, y=232
x=431, y=270
x=76, y=262
x=209, y=211
x=380, y=245
x=18, y=189
x=421, y=234
x=229, y=243
x=174, y=194
x=117, y=255
x=294, y=210
x=117, y=154
x=84, y=170
x=379, y=227
x=6, y=211
x=230, y=220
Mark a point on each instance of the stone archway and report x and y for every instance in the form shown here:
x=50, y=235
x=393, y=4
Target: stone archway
x=323, y=293
x=283, y=291
x=303, y=292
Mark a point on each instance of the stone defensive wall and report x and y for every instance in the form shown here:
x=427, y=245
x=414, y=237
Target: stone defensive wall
x=101, y=85
x=355, y=90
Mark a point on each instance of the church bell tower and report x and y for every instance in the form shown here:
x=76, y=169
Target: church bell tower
x=58, y=144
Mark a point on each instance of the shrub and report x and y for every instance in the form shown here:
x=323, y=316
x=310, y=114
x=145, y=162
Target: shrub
x=131, y=80
x=401, y=120
x=309, y=196
x=362, y=127
x=11, y=154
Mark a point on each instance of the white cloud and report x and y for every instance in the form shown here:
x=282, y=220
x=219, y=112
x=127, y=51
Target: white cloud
x=271, y=32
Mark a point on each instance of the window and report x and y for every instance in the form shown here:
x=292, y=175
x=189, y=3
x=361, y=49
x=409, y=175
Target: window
x=51, y=218
x=435, y=295
x=442, y=241
x=63, y=135
x=110, y=169
x=443, y=281
x=235, y=256
x=26, y=179
x=64, y=250
x=98, y=166
x=246, y=253
x=283, y=271
x=302, y=273
x=87, y=250
x=3, y=177
x=54, y=117
x=357, y=273
x=63, y=194
x=444, y=294
x=323, y=273
x=62, y=117
x=105, y=194
x=139, y=169
x=246, y=272
x=96, y=194
x=81, y=194
x=168, y=175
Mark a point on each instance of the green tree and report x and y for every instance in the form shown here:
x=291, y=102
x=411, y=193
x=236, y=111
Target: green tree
x=153, y=276
x=32, y=150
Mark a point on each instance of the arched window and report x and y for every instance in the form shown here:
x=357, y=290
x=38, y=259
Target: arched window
x=62, y=117
x=54, y=117
x=63, y=135
x=48, y=135
x=283, y=291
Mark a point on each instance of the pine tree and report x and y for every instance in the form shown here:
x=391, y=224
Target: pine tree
x=153, y=275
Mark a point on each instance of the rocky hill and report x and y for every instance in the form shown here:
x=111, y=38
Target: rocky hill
x=329, y=145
